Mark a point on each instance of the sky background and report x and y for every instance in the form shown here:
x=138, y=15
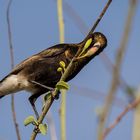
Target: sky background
x=34, y=28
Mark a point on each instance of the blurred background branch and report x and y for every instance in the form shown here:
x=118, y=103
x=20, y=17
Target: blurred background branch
x=81, y=25
x=30, y=16
x=116, y=70
x=133, y=105
x=12, y=66
x=136, y=120
x=97, y=95
x=51, y=125
x=63, y=94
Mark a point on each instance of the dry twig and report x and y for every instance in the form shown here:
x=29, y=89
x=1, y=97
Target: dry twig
x=83, y=28
x=51, y=125
x=120, y=117
x=116, y=71
x=68, y=69
x=51, y=99
x=63, y=95
x=100, y=17
x=12, y=65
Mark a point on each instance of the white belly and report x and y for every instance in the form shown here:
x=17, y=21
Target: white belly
x=12, y=84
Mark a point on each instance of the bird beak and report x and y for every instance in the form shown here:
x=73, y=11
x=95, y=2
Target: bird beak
x=86, y=46
x=92, y=50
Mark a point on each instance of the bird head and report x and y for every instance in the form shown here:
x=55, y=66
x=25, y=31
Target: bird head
x=92, y=45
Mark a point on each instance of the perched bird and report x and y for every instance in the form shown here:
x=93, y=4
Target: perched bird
x=42, y=67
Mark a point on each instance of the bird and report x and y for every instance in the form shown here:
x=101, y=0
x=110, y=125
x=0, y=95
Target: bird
x=42, y=67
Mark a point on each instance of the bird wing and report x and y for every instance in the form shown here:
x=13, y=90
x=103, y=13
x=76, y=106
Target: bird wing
x=47, y=53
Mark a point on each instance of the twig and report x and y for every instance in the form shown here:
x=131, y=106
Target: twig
x=50, y=101
x=60, y=20
x=116, y=72
x=136, y=119
x=10, y=34
x=110, y=66
x=96, y=95
x=63, y=95
x=120, y=117
x=82, y=24
x=76, y=18
x=100, y=17
x=12, y=65
x=51, y=125
x=83, y=28
x=50, y=120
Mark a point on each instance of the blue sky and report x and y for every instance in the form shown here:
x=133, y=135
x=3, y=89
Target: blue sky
x=34, y=28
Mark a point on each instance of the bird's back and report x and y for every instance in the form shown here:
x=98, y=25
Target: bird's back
x=41, y=68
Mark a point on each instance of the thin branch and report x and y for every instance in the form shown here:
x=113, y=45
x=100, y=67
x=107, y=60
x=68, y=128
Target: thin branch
x=100, y=17
x=116, y=71
x=51, y=125
x=12, y=65
x=110, y=66
x=136, y=119
x=50, y=119
x=76, y=18
x=10, y=34
x=60, y=20
x=83, y=28
x=51, y=99
x=63, y=94
x=131, y=106
x=62, y=113
x=96, y=95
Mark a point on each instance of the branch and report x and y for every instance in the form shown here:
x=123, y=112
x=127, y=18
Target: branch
x=60, y=20
x=76, y=18
x=100, y=17
x=110, y=66
x=83, y=28
x=136, y=119
x=12, y=65
x=51, y=125
x=63, y=95
x=64, y=76
x=120, y=117
x=116, y=71
x=97, y=95
x=50, y=100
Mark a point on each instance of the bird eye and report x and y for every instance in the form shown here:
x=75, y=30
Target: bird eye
x=97, y=44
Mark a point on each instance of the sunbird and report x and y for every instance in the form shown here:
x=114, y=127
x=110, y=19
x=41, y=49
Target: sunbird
x=43, y=67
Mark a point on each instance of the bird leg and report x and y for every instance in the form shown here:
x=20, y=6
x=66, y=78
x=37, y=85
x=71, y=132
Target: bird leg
x=48, y=88
x=39, y=84
x=32, y=100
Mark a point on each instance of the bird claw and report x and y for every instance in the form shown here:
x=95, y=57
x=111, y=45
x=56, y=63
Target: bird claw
x=56, y=97
x=36, y=129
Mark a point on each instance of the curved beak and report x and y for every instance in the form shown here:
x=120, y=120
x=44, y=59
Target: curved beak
x=92, y=50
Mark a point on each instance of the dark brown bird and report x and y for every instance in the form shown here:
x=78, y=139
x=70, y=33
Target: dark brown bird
x=42, y=67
